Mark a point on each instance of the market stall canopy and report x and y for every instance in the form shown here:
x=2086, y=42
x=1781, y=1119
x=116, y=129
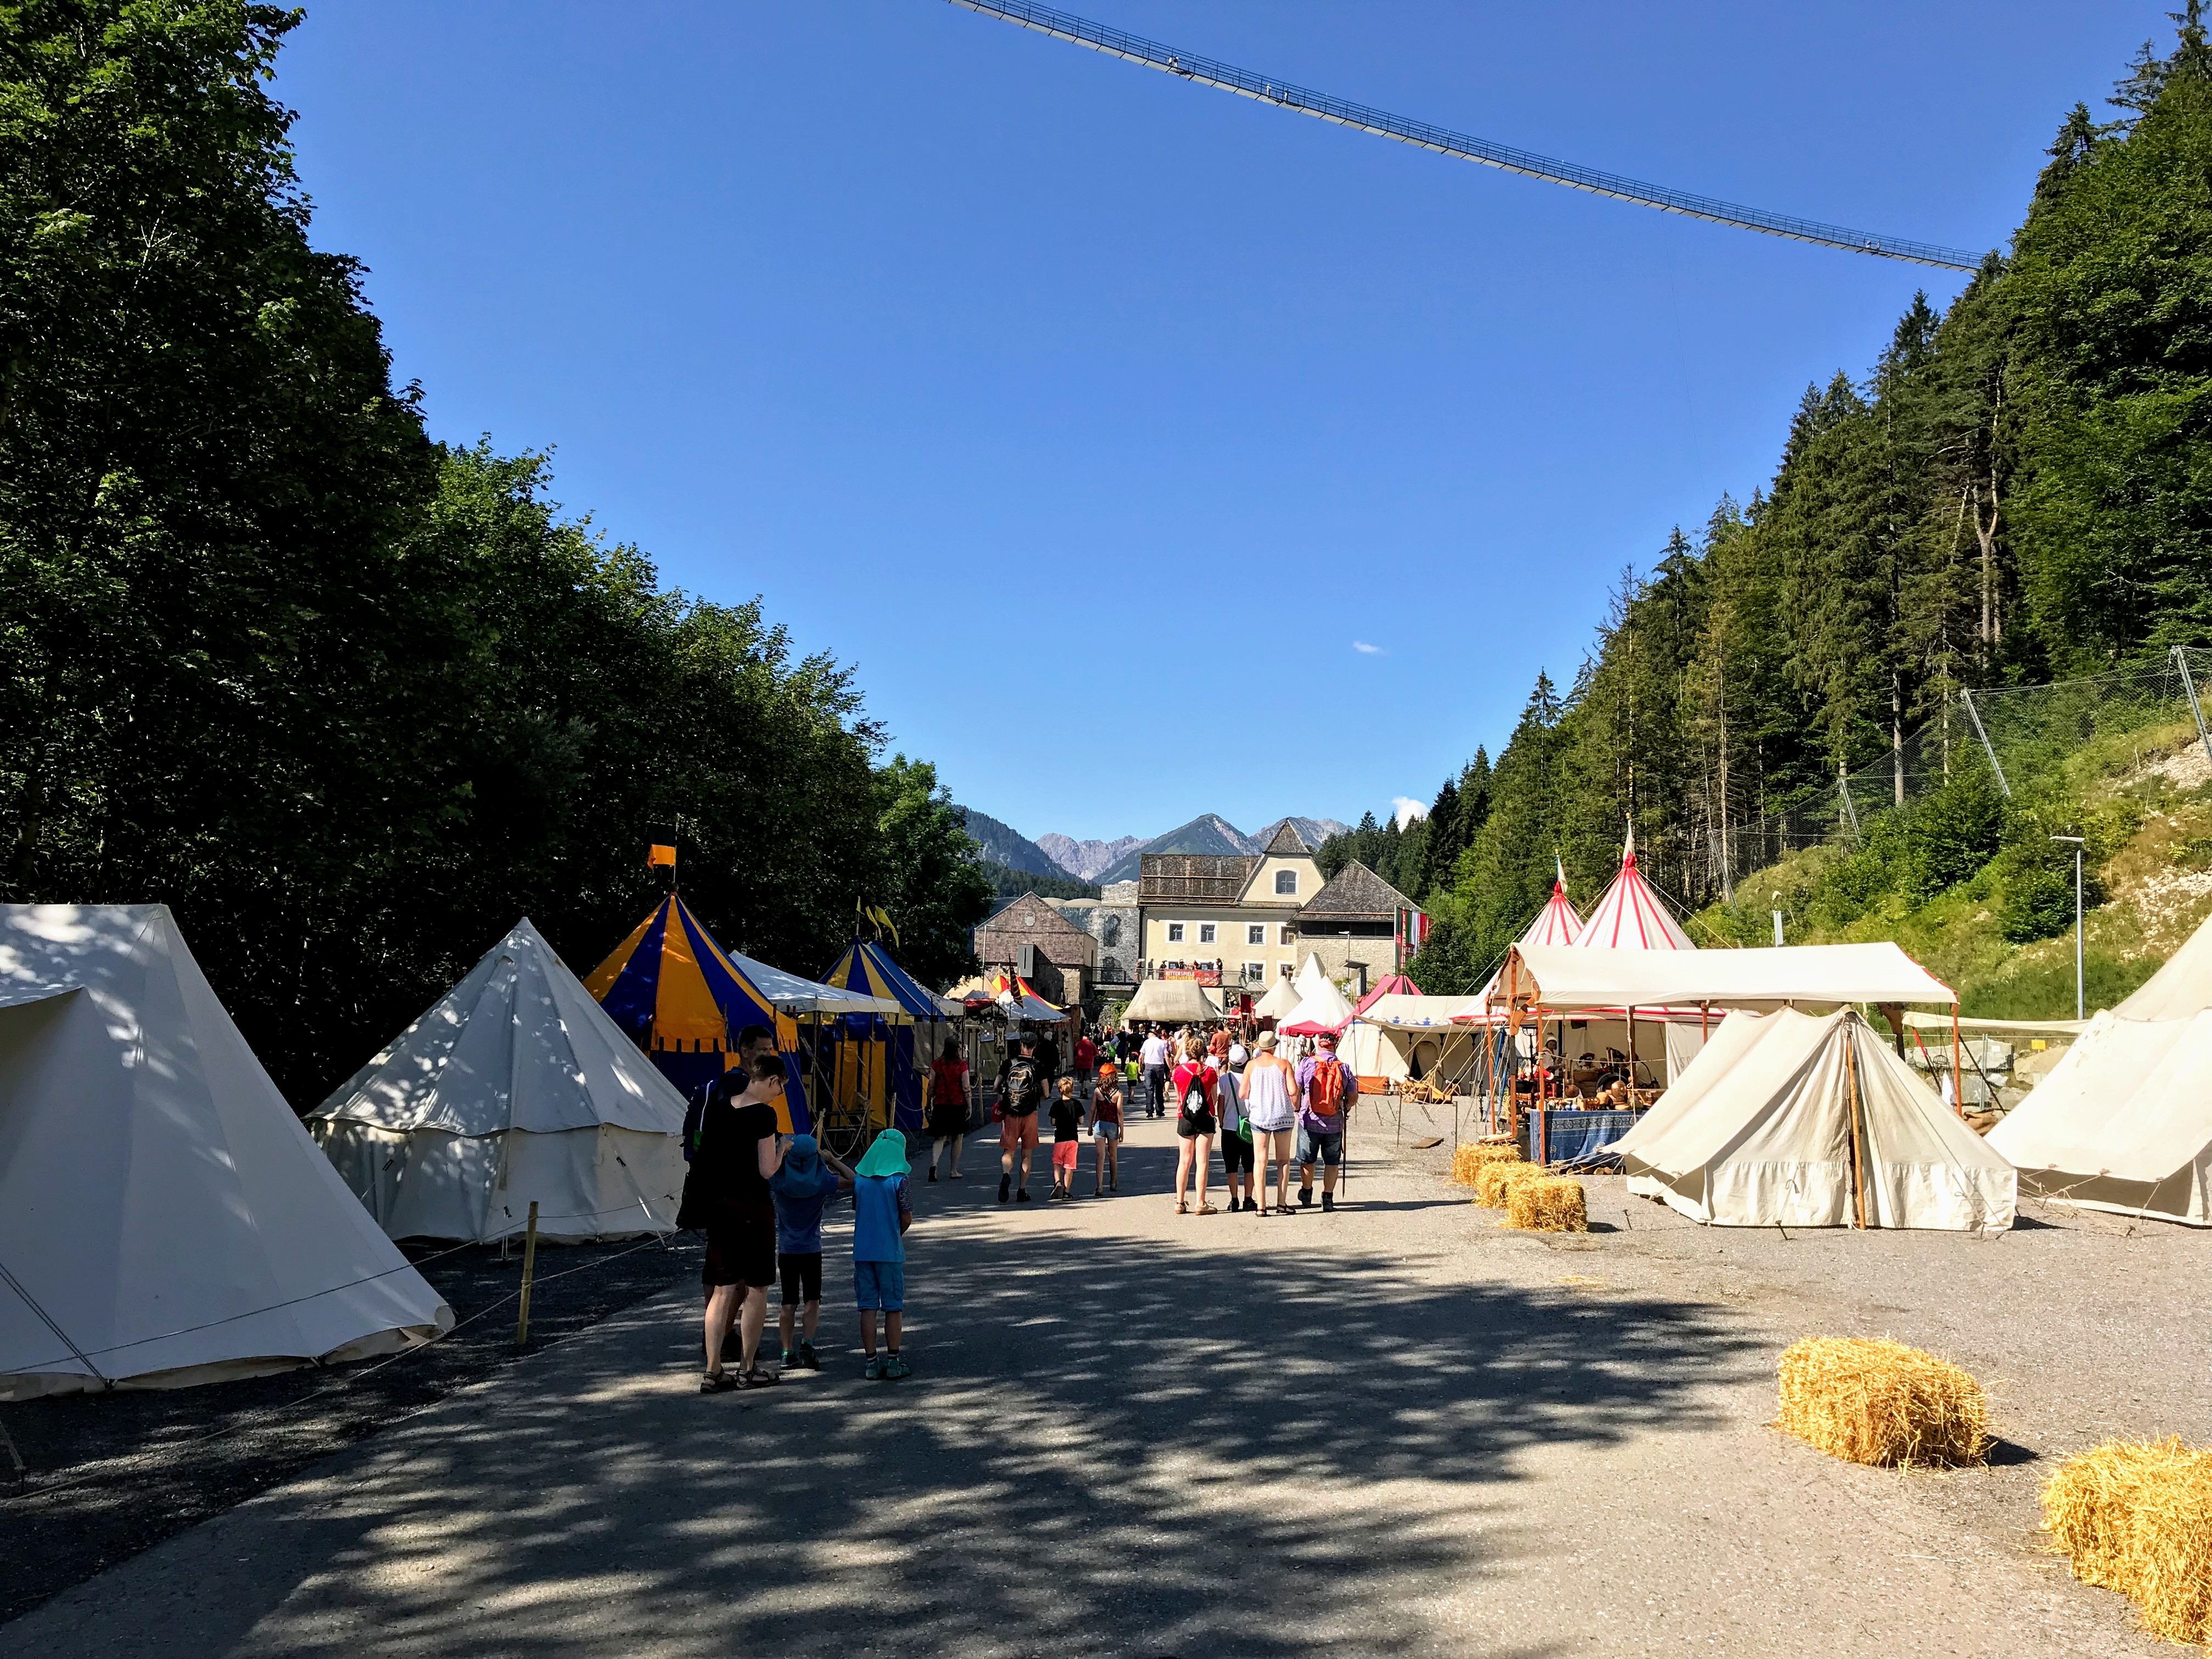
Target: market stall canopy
x=1171, y=1002
x=164, y=1220
x=512, y=1088
x=1322, y=1009
x=1413, y=1014
x=1393, y=985
x=1017, y=999
x=1564, y=979
x=2125, y=1120
x=2066, y=1028
x=1788, y=1120
x=1631, y=916
x=790, y=994
x=867, y=968
x=1556, y=923
x=1282, y=997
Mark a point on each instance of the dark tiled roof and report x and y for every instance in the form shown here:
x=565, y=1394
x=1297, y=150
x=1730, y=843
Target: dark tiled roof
x=1048, y=919
x=1194, y=877
x=1286, y=842
x=1356, y=891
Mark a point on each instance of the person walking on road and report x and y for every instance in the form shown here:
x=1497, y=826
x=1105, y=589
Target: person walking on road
x=948, y=1108
x=1017, y=1119
x=1235, y=1135
x=1106, y=1129
x=1194, y=1085
x=802, y=1189
x=1154, y=1056
x=1270, y=1089
x=882, y=1212
x=1325, y=1090
x=1086, y=1063
x=728, y=1195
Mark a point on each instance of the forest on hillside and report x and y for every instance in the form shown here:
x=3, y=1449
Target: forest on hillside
x=352, y=702
x=2020, y=488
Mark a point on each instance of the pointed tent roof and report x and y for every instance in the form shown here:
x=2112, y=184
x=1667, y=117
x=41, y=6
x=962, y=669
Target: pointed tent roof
x=1172, y=1002
x=1631, y=916
x=1282, y=997
x=867, y=968
x=1286, y=843
x=1557, y=923
x=1393, y=985
x=1322, y=1009
x=518, y=1044
x=670, y=987
x=165, y=1218
x=1309, y=977
x=1020, y=1000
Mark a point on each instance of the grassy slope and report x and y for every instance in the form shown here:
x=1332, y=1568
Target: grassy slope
x=2149, y=792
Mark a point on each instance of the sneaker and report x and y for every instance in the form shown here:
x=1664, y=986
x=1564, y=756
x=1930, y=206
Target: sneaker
x=1327, y=1202
x=894, y=1368
x=1305, y=1197
x=1006, y=1186
x=874, y=1371
x=790, y=1359
x=932, y=1172
x=1023, y=1196
x=1251, y=1206
x=807, y=1357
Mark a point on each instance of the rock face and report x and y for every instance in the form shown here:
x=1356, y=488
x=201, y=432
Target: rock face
x=1086, y=859
x=1003, y=844
x=1214, y=834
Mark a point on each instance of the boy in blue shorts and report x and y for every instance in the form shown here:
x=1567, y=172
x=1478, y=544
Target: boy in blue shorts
x=882, y=1212
x=802, y=1189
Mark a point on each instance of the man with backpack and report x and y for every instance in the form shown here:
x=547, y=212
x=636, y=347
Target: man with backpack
x=1326, y=1087
x=1018, y=1117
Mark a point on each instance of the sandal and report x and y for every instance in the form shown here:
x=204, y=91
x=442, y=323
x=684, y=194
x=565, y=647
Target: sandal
x=1207, y=1209
x=1181, y=1208
x=717, y=1382
x=756, y=1378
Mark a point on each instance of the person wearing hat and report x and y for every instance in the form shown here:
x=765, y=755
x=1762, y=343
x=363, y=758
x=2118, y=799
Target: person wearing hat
x=882, y=1212
x=1326, y=1087
x=802, y=1189
x=1270, y=1086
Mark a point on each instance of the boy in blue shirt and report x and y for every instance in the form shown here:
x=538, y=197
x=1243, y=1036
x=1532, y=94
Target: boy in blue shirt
x=882, y=1212
x=802, y=1189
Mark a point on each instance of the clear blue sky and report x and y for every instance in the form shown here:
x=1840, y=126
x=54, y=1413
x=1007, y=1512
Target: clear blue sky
x=1086, y=412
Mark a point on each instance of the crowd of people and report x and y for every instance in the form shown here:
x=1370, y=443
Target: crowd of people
x=759, y=1195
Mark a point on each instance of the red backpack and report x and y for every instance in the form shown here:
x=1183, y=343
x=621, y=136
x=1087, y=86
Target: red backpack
x=1327, y=1096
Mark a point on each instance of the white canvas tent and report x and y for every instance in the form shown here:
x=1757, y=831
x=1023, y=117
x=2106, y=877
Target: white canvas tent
x=1562, y=978
x=1323, y=1008
x=1282, y=997
x=1398, y=1036
x=514, y=1086
x=1310, y=976
x=1789, y=1120
x=2123, y=1122
x=1171, y=1002
x=164, y=1220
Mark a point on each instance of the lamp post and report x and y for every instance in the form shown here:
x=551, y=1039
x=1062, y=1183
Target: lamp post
x=2078, y=1012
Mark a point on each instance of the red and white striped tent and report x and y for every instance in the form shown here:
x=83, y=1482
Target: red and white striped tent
x=1631, y=916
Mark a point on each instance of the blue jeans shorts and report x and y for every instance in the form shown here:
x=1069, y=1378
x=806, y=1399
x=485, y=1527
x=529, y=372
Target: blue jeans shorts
x=1325, y=1150
x=879, y=1285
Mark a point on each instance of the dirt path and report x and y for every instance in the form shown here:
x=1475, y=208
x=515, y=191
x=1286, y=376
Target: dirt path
x=1396, y=1429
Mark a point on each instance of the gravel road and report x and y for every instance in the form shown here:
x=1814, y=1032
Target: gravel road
x=1400, y=1429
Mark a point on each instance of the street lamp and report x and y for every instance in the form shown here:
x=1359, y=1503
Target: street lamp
x=2079, y=1013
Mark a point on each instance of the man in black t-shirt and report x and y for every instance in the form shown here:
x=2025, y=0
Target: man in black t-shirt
x=1018, y=1101
x=739, y=1148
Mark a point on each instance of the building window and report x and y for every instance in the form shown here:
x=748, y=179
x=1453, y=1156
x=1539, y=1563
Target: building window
x=1256, y=972
x=1175, y=933
x=1110, y=971
x=1287, y=881
x=1290, y=936
x=1113, y=931
x=1206, y=933
x=1256, y=933
x=1286, y=970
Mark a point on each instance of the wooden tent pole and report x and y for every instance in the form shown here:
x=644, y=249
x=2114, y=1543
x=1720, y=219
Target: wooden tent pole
x=1958, y=1083
x=1858, y=1156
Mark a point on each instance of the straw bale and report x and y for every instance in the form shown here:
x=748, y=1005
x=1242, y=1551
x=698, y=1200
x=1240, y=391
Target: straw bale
x=1492, y=1179
x=1470, y=1158
x=1882, y=1402
x=2137, y=1517
x=1548, y=1204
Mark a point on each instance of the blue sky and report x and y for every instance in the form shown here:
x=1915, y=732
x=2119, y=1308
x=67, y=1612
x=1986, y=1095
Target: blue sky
x=1101, y=420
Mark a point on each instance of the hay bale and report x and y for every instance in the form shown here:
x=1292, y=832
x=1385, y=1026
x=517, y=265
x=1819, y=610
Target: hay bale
x=2137, y=1517
x=1468, y=1160
x=1882, y=1402
x=1494, y=1179
x=1548, y=1204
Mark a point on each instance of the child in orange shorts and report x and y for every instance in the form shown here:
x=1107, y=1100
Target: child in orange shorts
x=1066, y=1139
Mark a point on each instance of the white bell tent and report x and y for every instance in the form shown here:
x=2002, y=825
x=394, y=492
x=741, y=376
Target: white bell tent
x=1801, y=1120
x=164, y=1220
x=515, y=1085
x=2123, y=1122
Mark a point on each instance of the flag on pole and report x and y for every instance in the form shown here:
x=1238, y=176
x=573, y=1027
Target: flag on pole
x=657, y=855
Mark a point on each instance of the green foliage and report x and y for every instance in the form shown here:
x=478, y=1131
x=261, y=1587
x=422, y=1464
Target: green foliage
x=351, y=704
x=1951, y=833
x=1012, y=883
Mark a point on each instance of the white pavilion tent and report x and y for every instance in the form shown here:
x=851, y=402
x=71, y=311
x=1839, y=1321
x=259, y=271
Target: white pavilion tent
x=1282, y=997
x=514, y=1086
x=2123, y=1122
x=1171, y=1002
x=1788, y=1119
x=164, y=1220
x=1400, y=1036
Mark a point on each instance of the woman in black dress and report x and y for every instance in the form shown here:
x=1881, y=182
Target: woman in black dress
x=738, y=1150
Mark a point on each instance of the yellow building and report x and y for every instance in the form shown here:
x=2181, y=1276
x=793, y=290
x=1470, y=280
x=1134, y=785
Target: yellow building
x=1234, y=914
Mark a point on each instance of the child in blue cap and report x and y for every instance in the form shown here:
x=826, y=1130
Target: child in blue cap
x=802, y=1189
x=882, y=1212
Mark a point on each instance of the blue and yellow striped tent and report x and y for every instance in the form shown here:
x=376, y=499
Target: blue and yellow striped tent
x=906, y=1050
x=684, y=1001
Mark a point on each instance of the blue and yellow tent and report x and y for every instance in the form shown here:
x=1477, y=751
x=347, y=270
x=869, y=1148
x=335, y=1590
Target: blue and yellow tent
x=908, y=1048
x=680, y=998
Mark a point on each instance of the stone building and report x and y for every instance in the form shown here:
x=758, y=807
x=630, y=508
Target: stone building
x=1232, y=914
x=1361, y=927
x=1111, y=920
x=1029, y=937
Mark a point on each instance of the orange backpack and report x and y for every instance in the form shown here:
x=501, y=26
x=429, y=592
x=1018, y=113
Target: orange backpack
x=1327, y=1099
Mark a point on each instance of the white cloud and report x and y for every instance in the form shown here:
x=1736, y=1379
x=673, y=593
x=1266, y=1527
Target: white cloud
x=1408, y=808
x=1367, y=650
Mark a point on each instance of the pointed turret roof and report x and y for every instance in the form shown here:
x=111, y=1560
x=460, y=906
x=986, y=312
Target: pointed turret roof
x=1631, y=916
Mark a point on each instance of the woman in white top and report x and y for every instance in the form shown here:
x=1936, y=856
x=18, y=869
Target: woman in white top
x=1270, y=1091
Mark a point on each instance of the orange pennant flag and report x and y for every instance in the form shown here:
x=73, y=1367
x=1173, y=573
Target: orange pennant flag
x=659, y=854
